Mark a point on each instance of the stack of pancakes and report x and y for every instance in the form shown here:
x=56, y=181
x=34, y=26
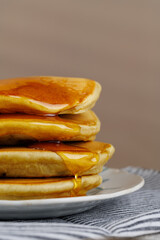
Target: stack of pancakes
x=47, y=137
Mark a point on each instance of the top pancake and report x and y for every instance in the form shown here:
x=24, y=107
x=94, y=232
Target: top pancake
x=48, y=95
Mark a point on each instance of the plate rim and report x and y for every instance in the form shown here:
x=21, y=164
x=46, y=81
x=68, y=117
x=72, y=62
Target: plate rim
x=97, y=197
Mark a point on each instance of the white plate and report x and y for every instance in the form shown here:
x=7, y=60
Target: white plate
x=115, y=183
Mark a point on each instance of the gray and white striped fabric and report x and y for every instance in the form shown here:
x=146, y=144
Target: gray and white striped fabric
x=132, y=215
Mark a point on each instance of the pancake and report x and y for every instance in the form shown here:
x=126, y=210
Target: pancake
x=69, y=127
x=20, y=189
x=48, y=159
x=48, y=95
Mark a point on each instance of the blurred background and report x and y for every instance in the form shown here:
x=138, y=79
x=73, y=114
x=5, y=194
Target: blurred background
x=114, y=42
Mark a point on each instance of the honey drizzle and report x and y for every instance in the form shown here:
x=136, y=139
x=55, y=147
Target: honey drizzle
x=87, y=157
x=77, y=185
x=79, y=164
x=85, y=160
x=77, y=159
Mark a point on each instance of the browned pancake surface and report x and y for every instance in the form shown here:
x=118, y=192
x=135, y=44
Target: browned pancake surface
x=48, y=159
x=20, y=189
x=39, y=95
x=23, y=127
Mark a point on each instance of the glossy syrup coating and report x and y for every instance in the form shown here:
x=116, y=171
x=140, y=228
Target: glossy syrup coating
x=38, y=95
x=25, y=127
x=78, y=157
x=54, y=159
x=21, y=189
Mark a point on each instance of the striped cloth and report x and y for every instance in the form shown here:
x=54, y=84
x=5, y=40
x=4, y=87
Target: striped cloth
x=131, y=215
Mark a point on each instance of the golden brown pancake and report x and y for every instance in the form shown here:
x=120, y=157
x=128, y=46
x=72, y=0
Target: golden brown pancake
x=77, y=127
x=48, y=95
x=20, y=189
x=48, y=159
